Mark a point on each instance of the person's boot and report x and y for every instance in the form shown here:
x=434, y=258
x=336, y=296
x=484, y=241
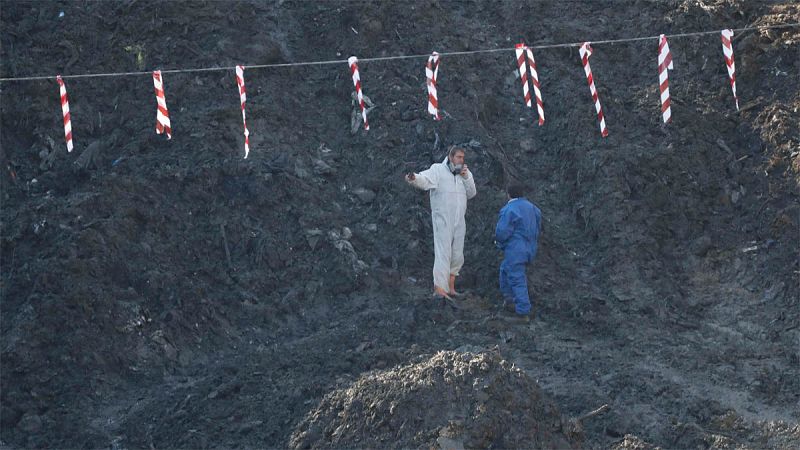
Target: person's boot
x=508, y=312
x=513, y=317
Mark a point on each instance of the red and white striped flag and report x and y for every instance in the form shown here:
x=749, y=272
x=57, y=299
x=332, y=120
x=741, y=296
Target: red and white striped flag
x=243, y=98
x=353, y=61
x=65, y=112
x=524, y=52
x=432, y=74
x=727, y=50
x=664, y=64
x=162, y=115
x=585, y=52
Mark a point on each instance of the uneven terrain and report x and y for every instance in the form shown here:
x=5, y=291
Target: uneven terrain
x=171, y=294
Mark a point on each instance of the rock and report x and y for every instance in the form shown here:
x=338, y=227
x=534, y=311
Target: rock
x=365, y=195
x=274, y=260
x=449, y=444
x=30, y=423
x=701, y=246
x=300, y=171
x=408, y=115
x=313, y=236
x=419, y=129
x=735, y=196
x=374, y=26
x=527, y=145
x=322, y=168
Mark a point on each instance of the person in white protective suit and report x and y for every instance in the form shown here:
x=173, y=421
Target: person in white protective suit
x=450, y=185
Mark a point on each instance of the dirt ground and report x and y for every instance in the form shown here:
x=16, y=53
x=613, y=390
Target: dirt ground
x=169, y=294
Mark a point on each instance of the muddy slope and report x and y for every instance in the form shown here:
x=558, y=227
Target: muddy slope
x=170, y=294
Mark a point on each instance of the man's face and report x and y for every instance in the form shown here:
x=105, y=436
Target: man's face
x=457, y=158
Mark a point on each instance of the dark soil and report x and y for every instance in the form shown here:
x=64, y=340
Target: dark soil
x=170, y=294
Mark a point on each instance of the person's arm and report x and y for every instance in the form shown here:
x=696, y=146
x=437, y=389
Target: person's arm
x=469, y=184
x=424, y=180
x=505, y=227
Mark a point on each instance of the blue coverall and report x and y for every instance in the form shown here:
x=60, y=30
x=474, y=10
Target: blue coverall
x=517, y=235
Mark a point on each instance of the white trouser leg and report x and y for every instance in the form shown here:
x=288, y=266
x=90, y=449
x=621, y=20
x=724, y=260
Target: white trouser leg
x=442, y=249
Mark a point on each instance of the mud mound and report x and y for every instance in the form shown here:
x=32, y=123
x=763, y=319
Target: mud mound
x=451, y=400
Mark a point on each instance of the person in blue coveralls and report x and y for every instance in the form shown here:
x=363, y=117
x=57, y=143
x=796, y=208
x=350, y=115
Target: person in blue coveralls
x=517, y=235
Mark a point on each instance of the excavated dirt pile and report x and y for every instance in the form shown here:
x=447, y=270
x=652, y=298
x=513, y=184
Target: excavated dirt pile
x=451, y=400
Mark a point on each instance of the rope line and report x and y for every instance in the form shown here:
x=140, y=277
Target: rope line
x=389, y=58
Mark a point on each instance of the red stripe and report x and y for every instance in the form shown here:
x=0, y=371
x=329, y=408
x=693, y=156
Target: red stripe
x=667, y=61
x=66, y=119
x=164, y=111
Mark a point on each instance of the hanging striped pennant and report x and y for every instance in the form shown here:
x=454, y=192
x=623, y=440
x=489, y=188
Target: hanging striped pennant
x=65, y=112
x=353, y=62
x=664, y=64
x=585, y=52
x=432, y=74
x=727, y=50
x=162, y=115
x=243, y=98
x=525, y=62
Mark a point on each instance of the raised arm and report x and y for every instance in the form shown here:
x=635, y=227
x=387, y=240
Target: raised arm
x=469, y=185
x=424, y=180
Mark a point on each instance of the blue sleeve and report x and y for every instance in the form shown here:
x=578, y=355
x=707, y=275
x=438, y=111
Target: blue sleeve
x=505, y=227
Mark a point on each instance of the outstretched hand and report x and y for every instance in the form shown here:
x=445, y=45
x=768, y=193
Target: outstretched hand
x=410, y=177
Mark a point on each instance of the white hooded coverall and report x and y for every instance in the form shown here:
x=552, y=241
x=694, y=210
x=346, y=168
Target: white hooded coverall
x=449, y=194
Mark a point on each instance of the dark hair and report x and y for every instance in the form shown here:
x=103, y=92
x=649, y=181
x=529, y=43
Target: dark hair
x=516, y=190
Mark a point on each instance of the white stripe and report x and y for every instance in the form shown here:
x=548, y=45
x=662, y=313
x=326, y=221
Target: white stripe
x=664, y=96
